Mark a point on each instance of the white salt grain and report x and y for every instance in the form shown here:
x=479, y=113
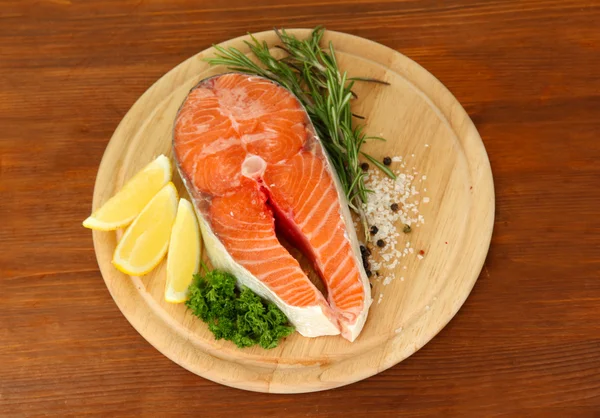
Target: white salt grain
x=387, y=191
x=425, y=200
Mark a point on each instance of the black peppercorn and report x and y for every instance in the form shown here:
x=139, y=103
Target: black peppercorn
x=374, y=230
x=407, y=229
x=364, y=166
x=394, y=207
x=380, y=243
x=387, y=160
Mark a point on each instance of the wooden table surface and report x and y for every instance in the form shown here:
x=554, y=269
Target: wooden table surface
x=527, y=341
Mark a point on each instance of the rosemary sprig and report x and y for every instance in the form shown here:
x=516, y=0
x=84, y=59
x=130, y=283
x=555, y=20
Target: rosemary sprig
x=312, y=74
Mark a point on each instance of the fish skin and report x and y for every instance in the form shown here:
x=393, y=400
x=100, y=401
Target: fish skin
x=313, y=320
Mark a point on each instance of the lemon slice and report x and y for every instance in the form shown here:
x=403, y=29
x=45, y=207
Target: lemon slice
x=123, y=207
x=145, y=242
x=184, y=253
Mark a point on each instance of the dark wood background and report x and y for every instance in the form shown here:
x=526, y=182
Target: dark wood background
x=527, y=341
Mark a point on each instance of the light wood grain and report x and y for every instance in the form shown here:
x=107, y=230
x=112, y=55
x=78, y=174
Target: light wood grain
x=414, y=111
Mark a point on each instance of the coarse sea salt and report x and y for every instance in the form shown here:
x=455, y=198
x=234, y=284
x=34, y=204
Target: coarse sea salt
x=404, y=191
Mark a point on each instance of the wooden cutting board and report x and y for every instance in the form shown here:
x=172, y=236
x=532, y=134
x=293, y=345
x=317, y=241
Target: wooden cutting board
x=424, y=123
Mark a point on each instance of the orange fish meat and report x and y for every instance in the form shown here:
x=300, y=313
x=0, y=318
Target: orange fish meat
x=252, y=162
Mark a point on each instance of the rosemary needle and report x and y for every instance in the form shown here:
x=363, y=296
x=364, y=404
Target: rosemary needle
x=312, y=74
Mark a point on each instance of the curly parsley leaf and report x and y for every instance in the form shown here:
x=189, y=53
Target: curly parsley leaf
x=238, y=316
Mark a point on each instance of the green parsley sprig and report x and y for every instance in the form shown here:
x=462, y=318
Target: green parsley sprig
x=238, y=316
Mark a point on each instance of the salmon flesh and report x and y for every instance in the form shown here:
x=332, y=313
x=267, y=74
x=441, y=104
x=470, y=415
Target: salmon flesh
x=251, y=161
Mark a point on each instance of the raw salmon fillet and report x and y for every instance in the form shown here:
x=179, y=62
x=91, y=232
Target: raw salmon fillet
x=251, y=161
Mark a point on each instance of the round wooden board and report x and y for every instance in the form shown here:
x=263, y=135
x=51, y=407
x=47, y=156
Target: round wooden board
x=416, y=109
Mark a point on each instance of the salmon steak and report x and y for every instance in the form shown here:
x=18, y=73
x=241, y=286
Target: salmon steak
x=253, y=164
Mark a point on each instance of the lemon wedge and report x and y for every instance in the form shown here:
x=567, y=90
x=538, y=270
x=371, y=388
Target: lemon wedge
x=145, y=242
x=123, y=207
x=184, y=253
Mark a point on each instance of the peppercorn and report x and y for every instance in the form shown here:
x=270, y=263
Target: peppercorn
x=394, y=207
x=374, y=230
x=387, y=160
x=380, y=243
x=407, y=229
x=364, y=166
x=363, y=249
